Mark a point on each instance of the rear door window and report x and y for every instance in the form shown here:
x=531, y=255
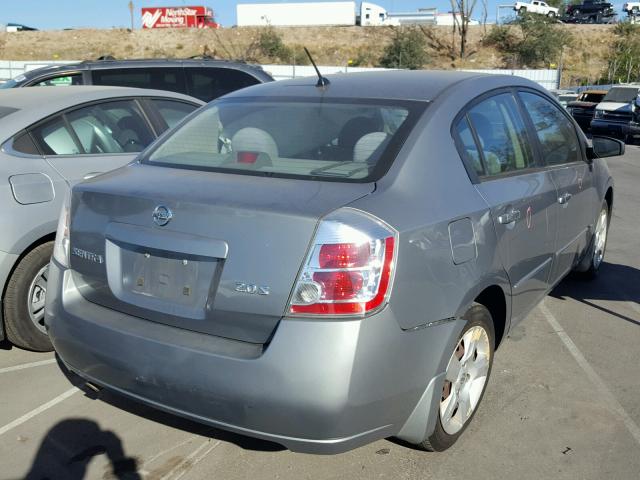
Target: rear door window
x=171, y=78
x=111, y=127
x=502, y=135
x=65, y=80
x=55, y=138
x=172, y=112
x=555, y=131
x=210, y=83
x=469, y=146
x=23, y=143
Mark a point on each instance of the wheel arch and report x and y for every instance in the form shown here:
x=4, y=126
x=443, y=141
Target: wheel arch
x=43, y=239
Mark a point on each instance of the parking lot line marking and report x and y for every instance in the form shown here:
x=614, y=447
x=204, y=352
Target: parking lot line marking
x=611, y=400
x=192, y=460
x=27, y=365
x=167, y=450
x=36, y=411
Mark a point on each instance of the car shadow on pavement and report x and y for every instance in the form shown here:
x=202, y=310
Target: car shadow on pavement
x=615, y=282
x=168, y=419
x=70, y=445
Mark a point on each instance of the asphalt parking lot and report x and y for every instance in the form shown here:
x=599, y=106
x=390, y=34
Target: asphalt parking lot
x=563, y=402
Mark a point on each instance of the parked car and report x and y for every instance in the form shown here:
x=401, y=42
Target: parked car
x=583, y=108
x=618, y=114
x=535, y=6
x=589, y=11
x=563, y=96
x=201, y=78
x=52, y=138
x=340, y=265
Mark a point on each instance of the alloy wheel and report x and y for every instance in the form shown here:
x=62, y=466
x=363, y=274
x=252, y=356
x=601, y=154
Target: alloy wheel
x=36, y=297
x=465, y=379
x=600, y=238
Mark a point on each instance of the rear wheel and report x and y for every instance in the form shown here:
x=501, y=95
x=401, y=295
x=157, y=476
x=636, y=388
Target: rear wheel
x=465, y=380
x=24, y=300
x=598, y=243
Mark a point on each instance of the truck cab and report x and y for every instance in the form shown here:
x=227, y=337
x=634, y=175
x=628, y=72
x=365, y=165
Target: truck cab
x=618, y=115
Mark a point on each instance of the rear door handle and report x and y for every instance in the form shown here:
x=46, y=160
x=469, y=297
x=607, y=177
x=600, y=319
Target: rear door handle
x=509, y=217
x=91, y=175
x=564, y=198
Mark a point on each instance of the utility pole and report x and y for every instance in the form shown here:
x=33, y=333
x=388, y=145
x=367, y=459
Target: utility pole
x=131, y=12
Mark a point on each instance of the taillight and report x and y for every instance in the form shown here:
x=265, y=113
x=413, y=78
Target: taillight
x=61, y=245
x=349, y=268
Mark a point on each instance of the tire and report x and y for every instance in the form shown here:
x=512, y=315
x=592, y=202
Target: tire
x=551, y=15
x=522, y=10
x=28, y=282
x=598, y=246
x=479, y=325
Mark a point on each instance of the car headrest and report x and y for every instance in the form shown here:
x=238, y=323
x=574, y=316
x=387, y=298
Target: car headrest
x=254, y=141
x=354, y=129
x=368, y=145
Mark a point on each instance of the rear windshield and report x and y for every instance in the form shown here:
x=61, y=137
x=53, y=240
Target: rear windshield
x=621, y=94
x=592, y=97
x=342, y=140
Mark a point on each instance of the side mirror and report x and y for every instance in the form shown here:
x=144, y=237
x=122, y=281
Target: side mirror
x=603, y=147
x=637, y=101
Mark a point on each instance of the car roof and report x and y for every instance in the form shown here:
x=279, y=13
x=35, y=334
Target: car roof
x=149, y=62
x=35, y=103
x=422, y=85
x=599, y=92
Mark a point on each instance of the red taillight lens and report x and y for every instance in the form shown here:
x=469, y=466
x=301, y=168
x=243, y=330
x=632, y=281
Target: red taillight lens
x=339, y=285
x=247, y=157
x=348, y=292
x=344, y=255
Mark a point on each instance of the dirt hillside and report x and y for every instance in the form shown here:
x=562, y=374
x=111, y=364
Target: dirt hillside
x=583, y=61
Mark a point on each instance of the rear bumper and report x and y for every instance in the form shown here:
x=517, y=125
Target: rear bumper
x=614, y=129
x=318, y=387
x=7, y=261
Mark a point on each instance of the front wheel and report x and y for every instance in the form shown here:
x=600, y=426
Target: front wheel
x=24, y=300
x=551, y=15
x=466, y=378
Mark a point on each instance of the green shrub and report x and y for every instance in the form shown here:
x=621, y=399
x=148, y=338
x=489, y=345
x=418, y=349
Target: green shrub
x=406, y=50
x=271, y=45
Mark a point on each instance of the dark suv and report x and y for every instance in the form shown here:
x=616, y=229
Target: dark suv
x=590, y=11
x=201, y=78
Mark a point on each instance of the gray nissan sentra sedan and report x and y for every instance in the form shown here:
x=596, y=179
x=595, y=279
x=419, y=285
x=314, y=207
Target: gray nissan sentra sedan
x=326, y=266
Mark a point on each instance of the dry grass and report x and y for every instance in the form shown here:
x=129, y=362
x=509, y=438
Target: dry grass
x=583, y=61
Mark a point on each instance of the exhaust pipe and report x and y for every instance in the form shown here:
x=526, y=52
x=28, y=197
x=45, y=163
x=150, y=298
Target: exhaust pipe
x=93, y=387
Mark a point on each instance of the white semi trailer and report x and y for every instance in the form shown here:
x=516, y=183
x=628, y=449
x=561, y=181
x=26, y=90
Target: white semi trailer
x=325, y=13
x=296, y=14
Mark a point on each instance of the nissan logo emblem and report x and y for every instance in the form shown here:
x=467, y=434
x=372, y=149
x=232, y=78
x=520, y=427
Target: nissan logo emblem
x=162, y=215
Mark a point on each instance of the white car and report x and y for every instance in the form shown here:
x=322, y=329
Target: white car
x=536, y=7
x=632, y=8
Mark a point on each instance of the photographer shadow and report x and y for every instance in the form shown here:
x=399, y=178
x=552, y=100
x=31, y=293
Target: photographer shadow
x=71, y=444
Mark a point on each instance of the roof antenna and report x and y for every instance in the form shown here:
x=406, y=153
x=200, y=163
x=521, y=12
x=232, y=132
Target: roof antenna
x=322, y=81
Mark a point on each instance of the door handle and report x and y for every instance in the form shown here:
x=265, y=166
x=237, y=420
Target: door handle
x=564, y=198
x=91, y=175
x=509, y=217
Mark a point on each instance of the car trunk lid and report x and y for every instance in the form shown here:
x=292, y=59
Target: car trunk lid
x=223, y=263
